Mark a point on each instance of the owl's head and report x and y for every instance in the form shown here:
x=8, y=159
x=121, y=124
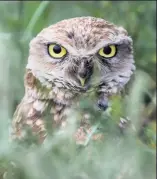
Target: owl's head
x=81, y=53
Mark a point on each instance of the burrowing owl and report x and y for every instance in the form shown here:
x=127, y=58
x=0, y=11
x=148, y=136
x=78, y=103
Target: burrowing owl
x=65, y=61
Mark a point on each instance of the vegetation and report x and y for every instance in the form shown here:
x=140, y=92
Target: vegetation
x=126, y=154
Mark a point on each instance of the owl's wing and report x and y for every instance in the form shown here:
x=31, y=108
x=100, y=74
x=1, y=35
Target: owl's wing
x=28, y=117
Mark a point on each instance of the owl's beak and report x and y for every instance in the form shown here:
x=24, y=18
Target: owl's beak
x=82, y=81
x=85, y=71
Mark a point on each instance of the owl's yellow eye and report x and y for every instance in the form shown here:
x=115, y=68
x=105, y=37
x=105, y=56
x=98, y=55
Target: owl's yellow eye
x=108, y=51
x=56, y=51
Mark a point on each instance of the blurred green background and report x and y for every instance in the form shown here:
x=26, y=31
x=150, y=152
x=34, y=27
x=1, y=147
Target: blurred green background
x=20, y=21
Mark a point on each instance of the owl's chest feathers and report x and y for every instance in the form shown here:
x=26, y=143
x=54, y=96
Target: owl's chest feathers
x=43, y=98
x=42, y=101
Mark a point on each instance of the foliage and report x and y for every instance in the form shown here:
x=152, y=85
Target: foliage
x=128, y=154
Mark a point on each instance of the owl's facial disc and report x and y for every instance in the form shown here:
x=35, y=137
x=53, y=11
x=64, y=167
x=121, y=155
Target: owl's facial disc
x=83, y=53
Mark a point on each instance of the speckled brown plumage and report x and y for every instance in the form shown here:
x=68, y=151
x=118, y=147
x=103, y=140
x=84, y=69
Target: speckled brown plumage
x=52, y=86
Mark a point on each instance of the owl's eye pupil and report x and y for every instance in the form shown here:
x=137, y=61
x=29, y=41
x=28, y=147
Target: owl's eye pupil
x=107, y=50
x=57, y=49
